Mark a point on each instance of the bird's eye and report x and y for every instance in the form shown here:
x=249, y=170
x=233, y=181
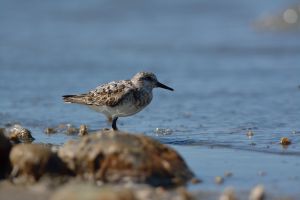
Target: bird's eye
x=148, y=78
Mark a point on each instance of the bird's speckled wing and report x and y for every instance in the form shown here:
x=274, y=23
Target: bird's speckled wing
x=109, y=94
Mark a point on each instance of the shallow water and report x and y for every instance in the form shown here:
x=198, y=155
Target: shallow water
x=228, y=77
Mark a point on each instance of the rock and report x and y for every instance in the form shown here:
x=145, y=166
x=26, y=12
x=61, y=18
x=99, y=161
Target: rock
x=71, y=130
x=196, y=181
x=219, y=180
x=117, y=192
x=31, y=161
x=228, y=174
x=50, y=130
x=163, y=131
x=285, y=141
x=5, y=147
x=111, y=156
x=83, y=130
x=250, y=133
x=257, y=193
x=18, y=134
x=228, y=194
x=67, y=129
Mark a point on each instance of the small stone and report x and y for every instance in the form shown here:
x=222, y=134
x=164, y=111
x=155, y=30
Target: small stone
x=228, y=194
x=219, y=180
x=250, y=133
x=68, y=129
x=257, y=193
x=228, y=174
x=285, y=141
x=71, y=129
x=196, y=181
x=163, y=131
x=83, y=130
x=18, y=133
x=50, y=130
x=261, y=173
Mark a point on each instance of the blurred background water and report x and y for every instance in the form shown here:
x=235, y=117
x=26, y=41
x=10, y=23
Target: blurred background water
x=234, y=68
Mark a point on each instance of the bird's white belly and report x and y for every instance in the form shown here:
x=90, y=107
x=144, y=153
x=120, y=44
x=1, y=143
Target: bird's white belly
x=122, y=110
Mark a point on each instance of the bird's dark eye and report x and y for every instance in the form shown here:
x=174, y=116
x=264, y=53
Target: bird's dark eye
x=148, y=78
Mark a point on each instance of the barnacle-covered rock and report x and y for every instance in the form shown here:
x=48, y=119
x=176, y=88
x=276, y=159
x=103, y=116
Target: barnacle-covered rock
x=17, y=134
x=111, y=156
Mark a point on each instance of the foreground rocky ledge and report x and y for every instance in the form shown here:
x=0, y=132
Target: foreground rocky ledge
x=105, y=164
x=115, y=157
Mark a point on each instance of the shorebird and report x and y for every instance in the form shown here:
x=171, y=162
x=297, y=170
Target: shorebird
x=120, y=98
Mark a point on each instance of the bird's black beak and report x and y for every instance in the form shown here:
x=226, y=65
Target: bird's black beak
x=158, y=84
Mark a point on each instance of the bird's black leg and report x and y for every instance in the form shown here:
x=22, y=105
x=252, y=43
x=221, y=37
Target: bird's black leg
x=114, y=124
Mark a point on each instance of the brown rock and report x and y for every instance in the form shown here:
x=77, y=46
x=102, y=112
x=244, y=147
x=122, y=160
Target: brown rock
x=31, y=161
x=285, y=141
x=50, y=130
x=228, y=174
x=111, y=156
x=219, y=180
x=5, y=147
x=250, y=133
x=228, y=194
x=257, y=193
x=68, y=129
x=18, y=134
x=83, y=130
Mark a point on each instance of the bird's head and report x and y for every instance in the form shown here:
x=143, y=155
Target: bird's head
x=148, y=80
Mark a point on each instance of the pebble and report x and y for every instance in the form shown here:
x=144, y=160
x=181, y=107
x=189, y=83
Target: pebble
x=196, y=181
x=83, y=130
x=285, y=141
x=228, y=174
x=50, y=130
x=250, y=133
x=68, y=129
x=163, y=131
x=18, y=134
x=71, y=129
x=228, y=194
x=219, y=180
x=257, y=193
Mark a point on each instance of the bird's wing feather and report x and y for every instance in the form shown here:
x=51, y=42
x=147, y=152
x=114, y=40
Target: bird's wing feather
x=109, y=94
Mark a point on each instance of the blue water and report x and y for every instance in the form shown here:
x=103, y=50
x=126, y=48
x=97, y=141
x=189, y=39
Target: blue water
x=228, y=77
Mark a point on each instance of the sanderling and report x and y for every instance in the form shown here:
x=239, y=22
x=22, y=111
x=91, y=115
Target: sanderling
x=120, y=98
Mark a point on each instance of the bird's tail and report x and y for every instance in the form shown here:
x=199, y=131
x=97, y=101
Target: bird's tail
x=74, y=98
